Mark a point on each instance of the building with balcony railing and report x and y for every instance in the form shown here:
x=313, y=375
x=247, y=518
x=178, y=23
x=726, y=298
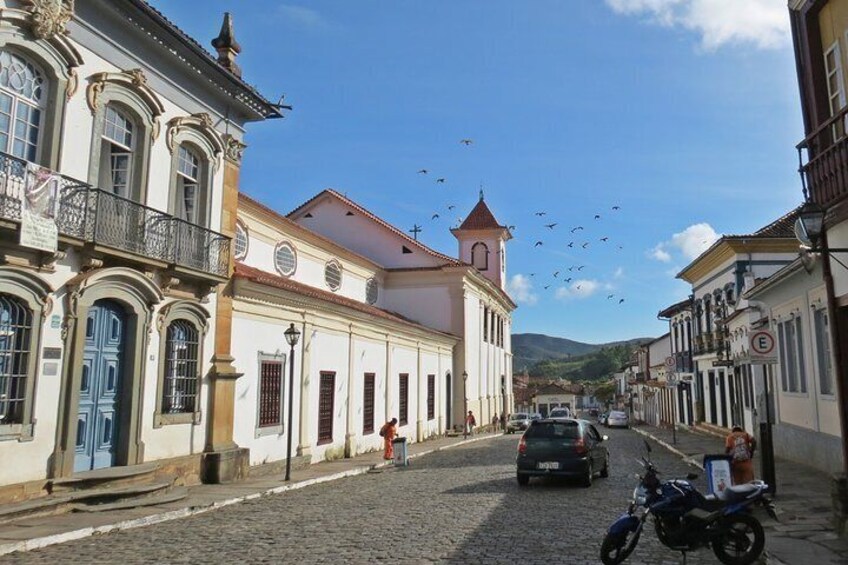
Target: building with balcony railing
x=681, y=372
x=118, y=189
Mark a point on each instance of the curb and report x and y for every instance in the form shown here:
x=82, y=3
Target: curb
x=45, y=541
x=668, y=446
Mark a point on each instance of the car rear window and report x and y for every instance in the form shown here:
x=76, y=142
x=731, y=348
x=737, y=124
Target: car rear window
x=618, y=414
x=553, y=430
x=519, y=416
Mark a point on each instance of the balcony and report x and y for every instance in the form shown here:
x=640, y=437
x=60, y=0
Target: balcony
x=103, y=219
x=704, y=344
x=683, y=362
x=825, y=174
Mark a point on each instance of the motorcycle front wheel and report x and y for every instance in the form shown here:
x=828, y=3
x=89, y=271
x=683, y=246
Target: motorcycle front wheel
x=618, y=547
x=741, y=540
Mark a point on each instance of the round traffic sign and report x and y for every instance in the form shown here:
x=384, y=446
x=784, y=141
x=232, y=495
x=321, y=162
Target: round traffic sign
x=670, y=362
x=762, y=342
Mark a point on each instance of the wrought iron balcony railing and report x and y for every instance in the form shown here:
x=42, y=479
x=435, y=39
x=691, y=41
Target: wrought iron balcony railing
x=100, y=217
x=825, y=174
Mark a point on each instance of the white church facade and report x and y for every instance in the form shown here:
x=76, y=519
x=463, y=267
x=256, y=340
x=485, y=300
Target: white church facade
x=390, y=329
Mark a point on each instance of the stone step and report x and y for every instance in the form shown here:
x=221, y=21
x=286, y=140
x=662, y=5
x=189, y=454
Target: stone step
x=172, y=495
x=129, y=474
x=60, y=503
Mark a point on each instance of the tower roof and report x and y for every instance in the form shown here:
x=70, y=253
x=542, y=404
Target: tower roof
x=481, y=218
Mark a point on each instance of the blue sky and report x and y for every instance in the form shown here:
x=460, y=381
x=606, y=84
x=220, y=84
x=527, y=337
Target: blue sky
x=684, y=113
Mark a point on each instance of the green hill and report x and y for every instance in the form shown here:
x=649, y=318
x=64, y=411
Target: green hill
x=529, y=349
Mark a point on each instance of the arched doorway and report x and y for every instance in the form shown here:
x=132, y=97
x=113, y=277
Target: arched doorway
x=103, y=373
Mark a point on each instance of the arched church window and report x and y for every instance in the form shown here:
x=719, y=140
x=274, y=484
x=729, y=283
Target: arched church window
x=480, y=256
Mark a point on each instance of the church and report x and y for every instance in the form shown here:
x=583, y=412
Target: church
x=390, y=328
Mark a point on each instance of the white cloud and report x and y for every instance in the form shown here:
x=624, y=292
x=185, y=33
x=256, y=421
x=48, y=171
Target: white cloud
x=659, y=253
x=762, y=23
x=619, y=273
x=694, y=240
x=579, y=289
x=521, y=290
x=305, y=17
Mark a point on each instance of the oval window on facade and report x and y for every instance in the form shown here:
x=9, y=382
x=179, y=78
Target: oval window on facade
x=371, y=290
x=333, y=275
x=241, y=241
x=285, y=259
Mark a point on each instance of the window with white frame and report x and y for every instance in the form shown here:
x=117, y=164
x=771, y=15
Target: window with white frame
x=182, y=377
x=23, y=93
x=188, y=186
x=835, y=89
x=15, y=340
x=285, y=259
x=271, y=392
x=790, y=338
x=116, y=152
x=823, y=353
x=241, y=241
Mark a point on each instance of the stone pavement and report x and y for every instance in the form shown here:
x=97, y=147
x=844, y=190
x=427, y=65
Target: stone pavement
x=804, y=533
x=42, y=531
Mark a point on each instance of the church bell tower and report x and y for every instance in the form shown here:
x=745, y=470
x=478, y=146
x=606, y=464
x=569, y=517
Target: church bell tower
x=482, y=243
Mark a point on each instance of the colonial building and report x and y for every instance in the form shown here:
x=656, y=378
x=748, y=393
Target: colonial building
x=390, y=328
x=717, y=277
x=679, y=318
x=118, y=188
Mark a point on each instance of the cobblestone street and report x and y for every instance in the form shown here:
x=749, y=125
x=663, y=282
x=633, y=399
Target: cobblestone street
x=457, y=506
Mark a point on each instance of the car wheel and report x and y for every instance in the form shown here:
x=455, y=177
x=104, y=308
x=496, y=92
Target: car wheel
x=605, y=470
x=590, y=474
x=523, y=480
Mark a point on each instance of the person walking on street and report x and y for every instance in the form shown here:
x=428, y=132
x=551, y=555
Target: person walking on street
x=740, y=445
x=470, y=422
x=388, y=432
x=495, y=422
x=503, y=422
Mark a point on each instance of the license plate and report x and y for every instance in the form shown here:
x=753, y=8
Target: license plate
x=548, y=465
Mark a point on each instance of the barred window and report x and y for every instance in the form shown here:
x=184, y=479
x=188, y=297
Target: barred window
x=326, y=399
x=241, y=242
x=285, y=259
x=403, y=401
x=15, y=342
x=368, y=405
x=431, y=397
x=825, y=365
x=181, y=368
x=333, y=275
x=271, y=392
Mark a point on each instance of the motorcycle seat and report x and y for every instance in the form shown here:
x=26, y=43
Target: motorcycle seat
x=742, y=491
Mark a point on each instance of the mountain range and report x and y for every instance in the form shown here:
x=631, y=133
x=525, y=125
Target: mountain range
x=529, y=348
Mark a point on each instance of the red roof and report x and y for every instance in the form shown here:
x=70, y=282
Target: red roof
x=259, y=276
x=348, y=202
x=481, y=218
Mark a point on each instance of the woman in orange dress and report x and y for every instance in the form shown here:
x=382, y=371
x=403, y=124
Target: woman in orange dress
x=740, y=445
x=389, y=432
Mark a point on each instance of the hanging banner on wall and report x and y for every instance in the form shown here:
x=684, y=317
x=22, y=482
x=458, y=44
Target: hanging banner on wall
x=39, y=209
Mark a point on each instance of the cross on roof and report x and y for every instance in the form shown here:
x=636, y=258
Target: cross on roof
x=416, y=229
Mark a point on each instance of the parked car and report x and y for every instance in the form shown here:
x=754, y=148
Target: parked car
x=518, y=422
x=560, y=413
x=617, y=419
x=562, y=448
x=593, y=412
x=536, y=416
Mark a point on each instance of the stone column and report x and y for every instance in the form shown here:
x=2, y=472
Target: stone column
x=223, y=460
x=350, y=434
x=421, y=402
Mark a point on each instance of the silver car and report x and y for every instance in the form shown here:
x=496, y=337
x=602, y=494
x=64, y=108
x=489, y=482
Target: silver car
x=518, y=422
x=617, y=419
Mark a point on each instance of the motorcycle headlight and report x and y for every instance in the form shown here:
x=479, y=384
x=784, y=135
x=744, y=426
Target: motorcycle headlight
x=640, y=496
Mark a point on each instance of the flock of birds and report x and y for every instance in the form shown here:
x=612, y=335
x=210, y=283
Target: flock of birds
x=574, y=241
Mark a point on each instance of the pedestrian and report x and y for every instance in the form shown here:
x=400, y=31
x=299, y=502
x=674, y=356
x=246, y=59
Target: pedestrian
x=388, y=433
x=470, y=422
x=495, y=422
x=503, y=422
x=740, y=445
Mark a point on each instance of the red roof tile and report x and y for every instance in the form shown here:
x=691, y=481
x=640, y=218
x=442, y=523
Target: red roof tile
x=259, y=276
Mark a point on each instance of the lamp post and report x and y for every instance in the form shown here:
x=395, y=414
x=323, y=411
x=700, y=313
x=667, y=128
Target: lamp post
x=465, y=403
x=292, y=336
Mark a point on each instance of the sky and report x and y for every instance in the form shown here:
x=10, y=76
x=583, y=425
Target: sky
x=683, y=114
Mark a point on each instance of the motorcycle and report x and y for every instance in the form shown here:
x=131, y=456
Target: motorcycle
x=686, y=520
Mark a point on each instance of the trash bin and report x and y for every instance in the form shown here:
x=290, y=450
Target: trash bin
x=399, y=447
x=717, y=468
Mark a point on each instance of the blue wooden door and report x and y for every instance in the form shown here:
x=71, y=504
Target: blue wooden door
x=100, y=386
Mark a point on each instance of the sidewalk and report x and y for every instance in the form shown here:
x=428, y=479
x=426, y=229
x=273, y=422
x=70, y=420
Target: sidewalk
x=33, y=533
x=804, y=533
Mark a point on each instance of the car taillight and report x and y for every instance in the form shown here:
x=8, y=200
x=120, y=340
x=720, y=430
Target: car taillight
x=522, y=446
x=580, y=447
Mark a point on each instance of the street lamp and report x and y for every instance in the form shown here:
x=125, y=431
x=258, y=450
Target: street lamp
x=292, y=336
x=809, y=225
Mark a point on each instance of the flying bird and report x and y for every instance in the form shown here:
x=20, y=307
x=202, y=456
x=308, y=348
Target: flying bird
x=556, y=274
x=616, y=207
x=550, y=226
x=585, y=245
x=532, y=274
x=434, y=216
x=580, y=268
x=422, y=172
x=510, y=228
x=621, y=247
x=440, y=180
x=621, y=301
x=570, y=269
x=568, y=280
x=571, y=244
x=579, y=287
x=541, y=213
x=597, y=216
x=466, y=142
x=547, y=286
x=577, y=228
x=451, y=207
x=538, y=243
x=604, y=239
x=609, y=296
